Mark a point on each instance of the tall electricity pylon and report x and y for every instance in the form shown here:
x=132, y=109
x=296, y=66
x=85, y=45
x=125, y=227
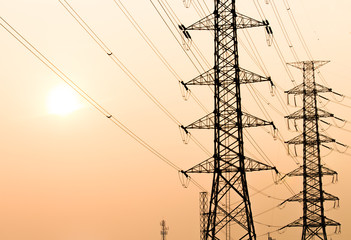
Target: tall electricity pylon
x=313, y=222
x=229, y=205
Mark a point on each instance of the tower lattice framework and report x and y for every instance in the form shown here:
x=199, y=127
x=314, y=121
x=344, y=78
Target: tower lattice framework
x=229, y=211
x=164, y=230
x=203, y=213
x=313, y=221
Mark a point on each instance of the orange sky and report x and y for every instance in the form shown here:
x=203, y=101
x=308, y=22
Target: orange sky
x=79, y=177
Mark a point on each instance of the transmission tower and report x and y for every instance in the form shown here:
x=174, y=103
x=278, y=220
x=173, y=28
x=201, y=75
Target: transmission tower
x=313, y=222
x=203, y=213
x=164, y=230
x=229, y=205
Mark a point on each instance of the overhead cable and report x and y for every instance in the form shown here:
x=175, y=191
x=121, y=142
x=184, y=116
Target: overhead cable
x=119, y=63
x=85, y=96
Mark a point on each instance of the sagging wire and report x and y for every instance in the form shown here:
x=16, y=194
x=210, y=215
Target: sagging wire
x=267, y=225
x=328, y=125
x=186, y=37
x=107, y=50
x=341, y=144
x=86, y=97
x=265, y=211
x=336, y=126
x=256, y=55
x=104, y=47
x=325, y=103
x=297, y=29
x=338, y=94
x=264, y=194
x=275, y=44
x=285, y=32
x=327, y=147
x=175, y=37
x=185, y=92
x=268, y=233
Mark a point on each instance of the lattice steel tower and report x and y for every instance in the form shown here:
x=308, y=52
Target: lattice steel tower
x=229, y=205
x=203, y=213
x=164, y=230
x=313, y=222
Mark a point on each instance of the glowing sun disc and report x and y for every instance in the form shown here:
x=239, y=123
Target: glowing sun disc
x=63, y=100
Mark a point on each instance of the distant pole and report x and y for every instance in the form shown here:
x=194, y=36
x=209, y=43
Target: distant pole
x=164, y=230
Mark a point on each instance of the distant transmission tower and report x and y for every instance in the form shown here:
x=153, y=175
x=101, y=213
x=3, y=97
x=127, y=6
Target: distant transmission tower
x=229, y=205
x=164, y=230
x=203, y=214
x=313, y=222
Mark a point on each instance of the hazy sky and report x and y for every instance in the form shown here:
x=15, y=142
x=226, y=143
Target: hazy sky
x=80, y=177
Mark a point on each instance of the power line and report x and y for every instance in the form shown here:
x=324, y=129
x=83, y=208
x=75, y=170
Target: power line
x=170, y=29
x=146, y=38
x=119, y=63
x=104, y=47
x=297, y=29
x=284, y=31
x=86, y=97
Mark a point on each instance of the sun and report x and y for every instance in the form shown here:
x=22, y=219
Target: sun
x=62, y=100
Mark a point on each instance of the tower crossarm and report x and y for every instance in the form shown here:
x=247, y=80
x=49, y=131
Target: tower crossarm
x=206, y=122
x=308, y=65
x=229, y=119
x=248, y=22
x=231, y=165
x=312, y=223
x=206, y=78
x=242, y=21
x=309, y=142
x=299, y=89
x=245, y=76
x=313, y=198
x=206, y=23
x=252, y=121
x=299, y=172
x=252, y=165
x=299, y=114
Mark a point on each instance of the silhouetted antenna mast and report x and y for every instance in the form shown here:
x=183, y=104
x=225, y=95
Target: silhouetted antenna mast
x=164, y=230
x=229, y=205
x=313, y=222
